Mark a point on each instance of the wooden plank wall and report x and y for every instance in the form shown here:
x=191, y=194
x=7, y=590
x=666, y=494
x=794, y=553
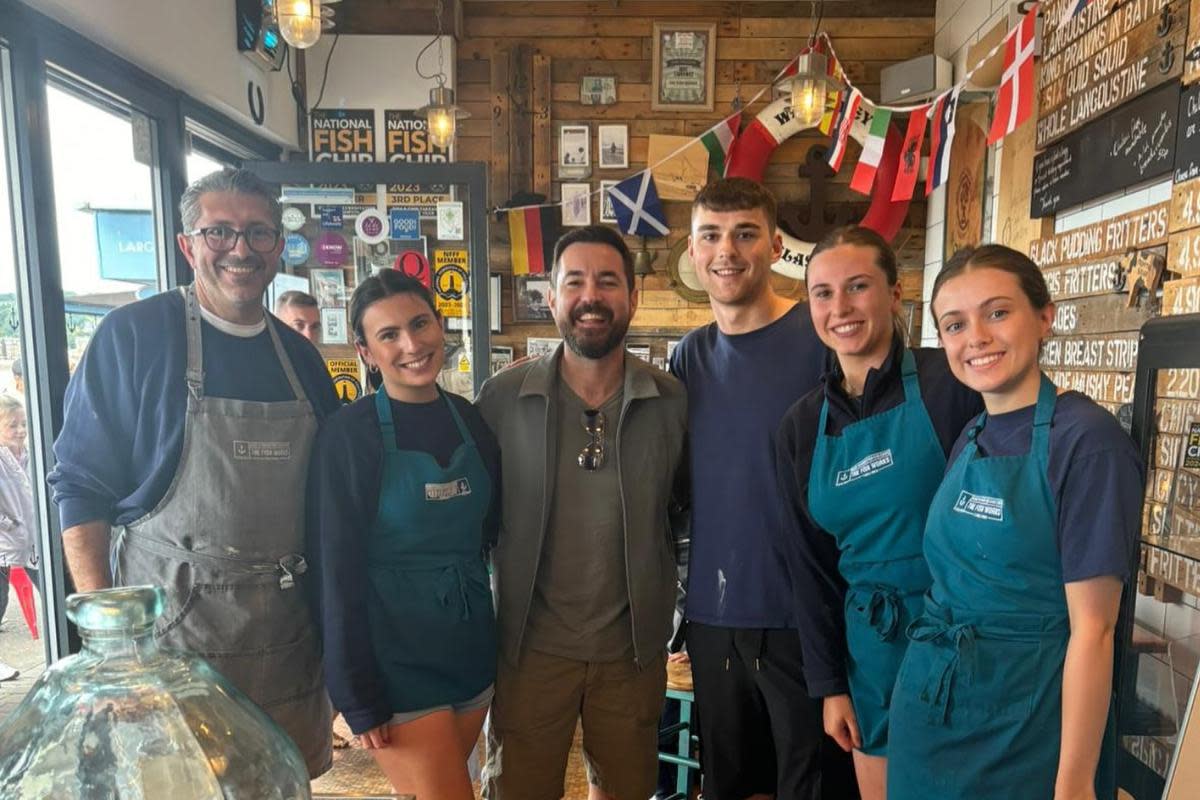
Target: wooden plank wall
x=519, y=66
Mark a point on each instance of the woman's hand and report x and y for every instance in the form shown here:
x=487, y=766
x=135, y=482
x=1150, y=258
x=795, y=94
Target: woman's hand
x=840, y=722
x=679, y=658
x=375, y=738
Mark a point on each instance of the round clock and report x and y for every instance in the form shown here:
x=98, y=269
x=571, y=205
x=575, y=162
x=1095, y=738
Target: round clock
x=684, y=280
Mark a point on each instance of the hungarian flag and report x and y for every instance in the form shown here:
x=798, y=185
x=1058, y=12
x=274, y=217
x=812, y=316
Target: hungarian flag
x=1072, y=9
x=842, y=131
x=718, y=140
x=532, y=233
x=910, y=155
x=1014, y=103
x=872, y=152
x=942, y=127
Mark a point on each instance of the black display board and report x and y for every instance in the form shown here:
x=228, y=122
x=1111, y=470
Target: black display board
x=1187, y=146
x=1130, y=145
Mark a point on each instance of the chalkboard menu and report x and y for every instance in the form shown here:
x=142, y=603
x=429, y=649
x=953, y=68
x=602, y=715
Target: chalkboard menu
x=1132, y=144
x=1187, y=145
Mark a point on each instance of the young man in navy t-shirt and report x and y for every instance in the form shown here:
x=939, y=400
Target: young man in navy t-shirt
x=762, y=733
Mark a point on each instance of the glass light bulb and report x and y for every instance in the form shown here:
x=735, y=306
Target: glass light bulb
x=299, y=22
x=808, y=101
x=441, y=126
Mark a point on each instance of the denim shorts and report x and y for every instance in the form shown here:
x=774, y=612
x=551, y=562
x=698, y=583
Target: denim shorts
x=481, y=700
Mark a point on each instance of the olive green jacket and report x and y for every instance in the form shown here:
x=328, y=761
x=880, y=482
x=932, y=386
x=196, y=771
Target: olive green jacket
x=519, y=405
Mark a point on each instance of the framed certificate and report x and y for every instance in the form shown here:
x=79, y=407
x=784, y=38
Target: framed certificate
x=684, y=66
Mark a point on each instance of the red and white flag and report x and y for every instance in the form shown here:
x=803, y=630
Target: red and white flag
x=910, y=155
x=1014, y=103
x=842, y=130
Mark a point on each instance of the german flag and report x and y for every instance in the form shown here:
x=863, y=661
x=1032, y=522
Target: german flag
x=532, y=233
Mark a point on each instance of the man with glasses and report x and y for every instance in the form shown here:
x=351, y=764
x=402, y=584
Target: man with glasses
x=592, y=441
x=184, y=453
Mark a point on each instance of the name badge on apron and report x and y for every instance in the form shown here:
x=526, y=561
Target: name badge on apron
x=447, y=491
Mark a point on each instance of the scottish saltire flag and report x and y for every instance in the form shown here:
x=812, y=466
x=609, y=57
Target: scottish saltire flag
x=910, y=155
x=639, y=211
x=718, y=140
x=1014, y=103
x=942, y=127
x=872, y=151
x=1071, y=9
x=841, y=133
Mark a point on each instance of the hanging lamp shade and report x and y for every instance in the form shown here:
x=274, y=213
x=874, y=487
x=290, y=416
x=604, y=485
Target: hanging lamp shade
x=300, y=22
x=442, y=116
x=808, y=88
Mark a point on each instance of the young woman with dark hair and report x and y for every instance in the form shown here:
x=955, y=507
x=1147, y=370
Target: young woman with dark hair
x=858, y=460
x=404, y=490
x=1006, y=686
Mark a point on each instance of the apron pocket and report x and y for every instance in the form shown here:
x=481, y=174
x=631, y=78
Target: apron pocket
x=1001, y=682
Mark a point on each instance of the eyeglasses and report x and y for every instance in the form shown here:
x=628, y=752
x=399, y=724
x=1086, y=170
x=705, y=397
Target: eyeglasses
x=591, y=458
x=223, y=238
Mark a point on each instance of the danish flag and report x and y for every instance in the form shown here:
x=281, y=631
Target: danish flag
x=1014, y=103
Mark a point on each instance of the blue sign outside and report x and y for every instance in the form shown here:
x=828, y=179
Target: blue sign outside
x=125, y=241
x=406, y=223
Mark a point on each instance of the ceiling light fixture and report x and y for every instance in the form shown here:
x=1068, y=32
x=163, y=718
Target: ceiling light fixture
x=441, y=114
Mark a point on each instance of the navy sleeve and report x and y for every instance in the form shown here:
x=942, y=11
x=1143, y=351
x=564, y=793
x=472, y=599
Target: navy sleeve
x=310, y=369
x=489, y=451
x=344, y=478
x=811, y=557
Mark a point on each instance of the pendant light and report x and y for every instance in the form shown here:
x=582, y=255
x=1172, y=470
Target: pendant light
x=300, y=22
x=441, y=115
x=811, y=83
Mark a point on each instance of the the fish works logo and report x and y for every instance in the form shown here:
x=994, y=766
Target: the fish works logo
x=876, y=462
x=980, y=506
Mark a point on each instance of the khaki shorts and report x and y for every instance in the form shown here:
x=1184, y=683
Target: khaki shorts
x=533, y=719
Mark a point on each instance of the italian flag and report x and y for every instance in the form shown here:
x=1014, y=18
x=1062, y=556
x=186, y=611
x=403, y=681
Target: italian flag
x=718, y=140
x=872, y=151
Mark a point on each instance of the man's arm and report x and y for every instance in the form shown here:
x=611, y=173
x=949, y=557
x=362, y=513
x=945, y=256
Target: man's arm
x=86, y=549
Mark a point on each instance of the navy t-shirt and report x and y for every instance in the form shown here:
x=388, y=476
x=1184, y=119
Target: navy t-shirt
x=738, y=390
x=125, y=405
x=1095, y=474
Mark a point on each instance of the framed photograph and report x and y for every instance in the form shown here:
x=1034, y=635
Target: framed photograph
x=501, y=357
x=607, y=212
x=598, y=90
x=494, y=303
x=329, y=287
x=333, y=326
x=614, y=146
x=574, y=146
x=683, y=66
x=531, y=298
x=537, y=346
x=576, y=204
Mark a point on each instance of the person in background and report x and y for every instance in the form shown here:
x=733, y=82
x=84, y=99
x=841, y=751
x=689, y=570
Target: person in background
x=18, y=525
x=299, y=312
x=18, y=378
x=1006, y=687
x=183, y=458
x=592, y=441
x=858, y=460
x=761, y=731
x=406, y=488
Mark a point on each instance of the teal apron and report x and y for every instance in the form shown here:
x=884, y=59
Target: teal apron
x=432, y=626
x=979, y=695
x=870, y=487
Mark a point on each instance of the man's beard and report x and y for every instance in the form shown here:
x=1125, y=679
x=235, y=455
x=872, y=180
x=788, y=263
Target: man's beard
x=593, y=348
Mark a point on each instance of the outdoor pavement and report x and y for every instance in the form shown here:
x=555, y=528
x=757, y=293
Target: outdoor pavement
x=18, y=649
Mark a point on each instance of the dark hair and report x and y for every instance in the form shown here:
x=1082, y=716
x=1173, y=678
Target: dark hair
x=240, y=181
x=593, y=234
x=996, y=256
x=18, y=368
x=858, y=236
x=294, y=297
x=737, y=194
x=385, y=283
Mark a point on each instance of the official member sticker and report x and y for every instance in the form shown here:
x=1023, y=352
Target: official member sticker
x=1191, y=450
x=293, y=218
x=371, y=226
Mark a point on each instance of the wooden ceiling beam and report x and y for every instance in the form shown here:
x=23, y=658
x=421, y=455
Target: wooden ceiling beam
x=398, y=17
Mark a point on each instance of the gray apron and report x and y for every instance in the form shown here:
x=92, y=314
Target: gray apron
x=226, y=543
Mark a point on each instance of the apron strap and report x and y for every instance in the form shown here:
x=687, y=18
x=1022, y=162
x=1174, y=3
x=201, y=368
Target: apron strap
x=463, y=431
x=954, y=649
x=1043, y=415
x=908, y=376
x=195, y=349
x=284, y=361
x=387, y=425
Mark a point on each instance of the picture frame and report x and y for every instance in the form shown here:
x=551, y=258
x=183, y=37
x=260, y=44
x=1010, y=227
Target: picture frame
x=613, y=146
x=501, y=356
x=598, y=90
x=683, y=66
x=494, y=291
x=538, y=346
x=531, y=298
x=333, y=325
x=328, y=286
x=576, y=204
x=608, y=212
x=574, y=146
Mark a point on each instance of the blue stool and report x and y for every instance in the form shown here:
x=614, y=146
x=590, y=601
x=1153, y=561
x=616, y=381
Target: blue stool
x=679, y=687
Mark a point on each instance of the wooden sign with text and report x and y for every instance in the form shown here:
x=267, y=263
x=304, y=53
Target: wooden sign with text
x=1112, y=237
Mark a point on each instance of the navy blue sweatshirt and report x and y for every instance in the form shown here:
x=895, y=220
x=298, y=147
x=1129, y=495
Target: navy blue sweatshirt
x=344, y=482
x=125, y=406
x=809, y=551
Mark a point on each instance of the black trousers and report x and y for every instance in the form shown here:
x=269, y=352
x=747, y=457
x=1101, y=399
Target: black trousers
x=760, y=732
